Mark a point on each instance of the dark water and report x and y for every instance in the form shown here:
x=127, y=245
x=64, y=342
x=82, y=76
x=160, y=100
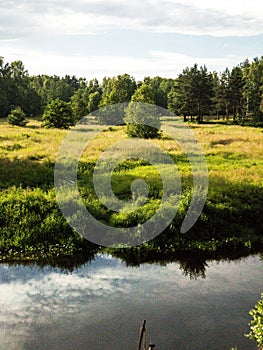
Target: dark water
x=101, y=305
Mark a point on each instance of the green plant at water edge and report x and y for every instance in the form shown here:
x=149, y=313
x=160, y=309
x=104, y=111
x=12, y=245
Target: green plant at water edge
x=17, y=117
x=256, y=324
x=31, y=224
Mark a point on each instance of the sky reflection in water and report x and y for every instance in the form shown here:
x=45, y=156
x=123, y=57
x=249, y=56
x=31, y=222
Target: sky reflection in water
x=103, y=303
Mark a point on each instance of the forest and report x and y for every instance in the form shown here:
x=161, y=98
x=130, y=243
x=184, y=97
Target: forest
x=235, y=93
x=225, y=111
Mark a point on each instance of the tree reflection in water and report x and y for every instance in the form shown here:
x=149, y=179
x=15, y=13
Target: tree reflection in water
x=192, y=264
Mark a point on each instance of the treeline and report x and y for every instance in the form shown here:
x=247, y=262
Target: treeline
x=195, y=93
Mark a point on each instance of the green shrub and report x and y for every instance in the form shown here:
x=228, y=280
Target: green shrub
x=30, y=220
x=17, y=117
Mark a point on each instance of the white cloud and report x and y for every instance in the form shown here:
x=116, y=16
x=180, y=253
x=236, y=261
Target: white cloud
x=165, y=64
x=234, y=7
x=92, y=16
x=177, y=61
x=38, y=32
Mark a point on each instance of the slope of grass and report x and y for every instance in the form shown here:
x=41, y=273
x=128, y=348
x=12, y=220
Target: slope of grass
x=31, y=223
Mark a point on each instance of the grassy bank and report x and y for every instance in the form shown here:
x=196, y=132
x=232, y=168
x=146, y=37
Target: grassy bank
x=31, y=224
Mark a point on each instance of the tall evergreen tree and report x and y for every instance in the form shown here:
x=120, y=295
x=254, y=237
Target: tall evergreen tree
x=236, y=84
x=193, y=92
x=253, y=88
x=58, y=114
x=223, y=93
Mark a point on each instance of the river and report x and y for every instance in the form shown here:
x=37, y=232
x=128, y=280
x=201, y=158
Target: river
x=102, y=303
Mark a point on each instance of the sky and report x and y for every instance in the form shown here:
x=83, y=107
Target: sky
x=97, y=38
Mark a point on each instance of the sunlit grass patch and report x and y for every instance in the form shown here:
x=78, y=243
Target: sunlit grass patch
x=232, y=212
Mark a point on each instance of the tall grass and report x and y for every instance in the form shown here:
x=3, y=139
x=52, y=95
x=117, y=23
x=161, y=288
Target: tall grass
x=30, y=220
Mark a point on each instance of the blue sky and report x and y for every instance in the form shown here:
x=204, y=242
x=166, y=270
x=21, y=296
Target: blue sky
x=96, y=38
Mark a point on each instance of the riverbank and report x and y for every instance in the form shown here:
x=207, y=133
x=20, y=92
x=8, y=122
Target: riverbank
x=31, y=225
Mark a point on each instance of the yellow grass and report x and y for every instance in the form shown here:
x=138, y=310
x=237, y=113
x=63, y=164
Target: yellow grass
x=232, y=152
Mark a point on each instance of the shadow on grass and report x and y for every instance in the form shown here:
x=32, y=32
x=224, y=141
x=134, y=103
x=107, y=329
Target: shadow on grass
x=26, y=173
x=223, y=142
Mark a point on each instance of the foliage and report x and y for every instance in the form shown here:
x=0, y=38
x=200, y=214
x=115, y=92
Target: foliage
x=15, y=89
x=161, y=88
x=86, y=99
x=235, y=93
x=32, y=225
x=49, y=88
x=254, y=88
x=236, y=83
x=256, y=324
x=193, y=92
x=228, y=93
x=94, y=101
x=79, y=103
x=142, y=117
x=58, y=114
x=17, y=117
x=115, y=91
x=118, y=90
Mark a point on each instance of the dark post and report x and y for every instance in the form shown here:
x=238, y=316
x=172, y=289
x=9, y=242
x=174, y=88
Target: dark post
x=142, y=331
x=151, y=346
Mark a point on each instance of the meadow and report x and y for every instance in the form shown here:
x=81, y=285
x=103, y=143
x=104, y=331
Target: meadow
x=31, y=224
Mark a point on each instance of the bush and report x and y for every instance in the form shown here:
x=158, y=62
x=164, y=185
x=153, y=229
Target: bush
x=30, y=219
x=142, y=121
x=17, y=117
x=58, y=114
x=142, y=131
x=142, y=116
x=256, y=324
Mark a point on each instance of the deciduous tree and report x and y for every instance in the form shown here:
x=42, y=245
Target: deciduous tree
x=142, y=116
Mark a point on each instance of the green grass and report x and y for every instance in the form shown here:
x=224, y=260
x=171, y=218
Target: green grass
x=31, y=223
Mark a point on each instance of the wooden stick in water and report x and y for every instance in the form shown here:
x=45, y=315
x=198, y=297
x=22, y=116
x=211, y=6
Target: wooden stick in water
x=142, y=331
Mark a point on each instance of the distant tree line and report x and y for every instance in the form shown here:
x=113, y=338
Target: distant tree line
x=195, y=93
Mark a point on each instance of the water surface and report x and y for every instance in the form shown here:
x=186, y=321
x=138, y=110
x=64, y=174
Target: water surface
x=101, y=305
